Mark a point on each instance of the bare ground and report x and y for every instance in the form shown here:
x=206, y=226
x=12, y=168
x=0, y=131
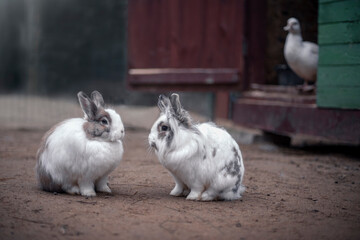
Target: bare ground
x=291, y=194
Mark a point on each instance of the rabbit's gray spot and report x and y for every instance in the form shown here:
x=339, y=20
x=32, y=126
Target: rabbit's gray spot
x=237, y=184
x=97, y=131
x=214, y=152
x=204, y=149
x=236, y=168
x=102, y=113
x=93, y=130
x=169, y=138
x=232, y=168
x=236, y=154
x=161, y=135
x=196, y=131
x=45, y=180
x=183, y=119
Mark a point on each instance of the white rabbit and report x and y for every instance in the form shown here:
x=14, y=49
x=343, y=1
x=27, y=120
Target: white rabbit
x=204, y=160
x=77, y=155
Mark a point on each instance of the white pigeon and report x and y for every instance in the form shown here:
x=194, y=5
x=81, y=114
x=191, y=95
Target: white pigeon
x=302, y=57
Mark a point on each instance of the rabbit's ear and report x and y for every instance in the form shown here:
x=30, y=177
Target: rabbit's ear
x=97, y=98
x=180, y=114
x=163, y=103
x=87, y=105
x=175, y=103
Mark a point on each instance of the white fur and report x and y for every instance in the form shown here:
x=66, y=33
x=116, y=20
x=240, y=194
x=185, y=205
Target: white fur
x=184, y=158
x=79, y=164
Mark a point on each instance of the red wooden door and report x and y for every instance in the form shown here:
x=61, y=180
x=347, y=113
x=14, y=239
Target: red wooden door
x=186, y=44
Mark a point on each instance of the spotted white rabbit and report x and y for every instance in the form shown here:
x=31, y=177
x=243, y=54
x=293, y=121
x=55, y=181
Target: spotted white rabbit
x=77, y=155
x=204, y=160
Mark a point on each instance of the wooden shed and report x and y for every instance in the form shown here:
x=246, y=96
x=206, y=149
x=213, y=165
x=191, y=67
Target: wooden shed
x=339, y=62
x=220, y=46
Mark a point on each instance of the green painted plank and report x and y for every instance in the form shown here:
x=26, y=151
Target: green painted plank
x=339, y=11
x=346, y=54
x=327, y=1
x=345, y=32
x=347, y=98
x=338, y=76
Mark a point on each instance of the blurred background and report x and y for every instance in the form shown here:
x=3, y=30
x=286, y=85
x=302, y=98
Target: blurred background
x=225, y=57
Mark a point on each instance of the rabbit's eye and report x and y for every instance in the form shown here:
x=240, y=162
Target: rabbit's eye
x=164, y=128
x=104, y=121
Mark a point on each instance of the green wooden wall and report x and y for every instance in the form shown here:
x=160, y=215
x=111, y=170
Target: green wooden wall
x=338, y=82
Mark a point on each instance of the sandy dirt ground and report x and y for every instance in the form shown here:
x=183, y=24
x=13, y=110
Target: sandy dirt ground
x=291, y=194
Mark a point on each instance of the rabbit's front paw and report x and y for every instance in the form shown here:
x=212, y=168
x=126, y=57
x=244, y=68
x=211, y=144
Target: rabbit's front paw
x=193, y=196
x=177, y=191
x=73, y=190
x=207, y=196
x=104, y=188
x=102, y=185
x=88, y=192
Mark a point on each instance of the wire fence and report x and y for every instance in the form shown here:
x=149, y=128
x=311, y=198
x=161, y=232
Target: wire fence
x=35, y=112
x=23, y=111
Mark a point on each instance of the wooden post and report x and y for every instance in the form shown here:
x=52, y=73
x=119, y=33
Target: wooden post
x=222, y=104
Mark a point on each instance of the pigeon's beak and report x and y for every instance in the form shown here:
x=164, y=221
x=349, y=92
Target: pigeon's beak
x=287, y=28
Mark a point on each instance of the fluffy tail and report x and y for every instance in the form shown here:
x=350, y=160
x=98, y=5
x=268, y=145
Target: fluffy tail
x=233, y=194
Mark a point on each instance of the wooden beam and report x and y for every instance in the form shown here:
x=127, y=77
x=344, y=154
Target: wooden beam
x=183, y=76
x=293, y=118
